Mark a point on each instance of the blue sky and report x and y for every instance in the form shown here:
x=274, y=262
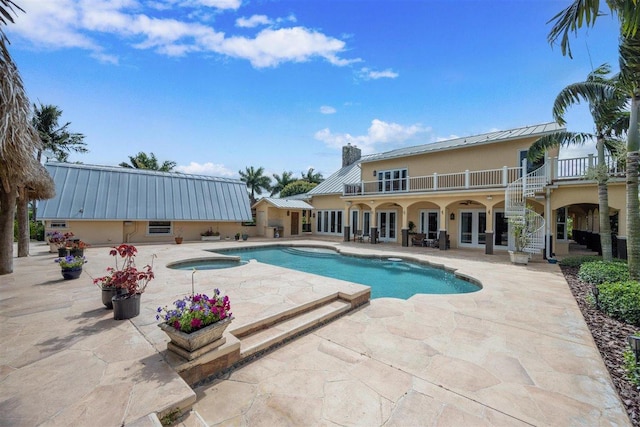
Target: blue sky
x=218, y=85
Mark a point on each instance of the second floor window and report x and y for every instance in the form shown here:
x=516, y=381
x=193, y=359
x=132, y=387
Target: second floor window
x=393, y=180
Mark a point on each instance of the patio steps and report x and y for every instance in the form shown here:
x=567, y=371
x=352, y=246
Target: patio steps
x=277, y=329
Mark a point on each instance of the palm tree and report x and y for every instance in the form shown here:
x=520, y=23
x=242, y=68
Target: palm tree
x=18, y=141
x=281, y=182
x=144, y=161
x=311, y=177
x=570, y=20
x=606, y=106
x=55, y=138
x=256, y=181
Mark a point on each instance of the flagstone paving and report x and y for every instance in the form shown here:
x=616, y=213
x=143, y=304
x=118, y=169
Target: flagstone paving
x=515, y=353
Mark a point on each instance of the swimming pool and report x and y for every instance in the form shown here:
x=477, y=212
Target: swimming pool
x=388, y=277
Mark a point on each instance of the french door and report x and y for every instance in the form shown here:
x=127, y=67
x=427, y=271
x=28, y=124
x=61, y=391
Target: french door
x=429, y=223
x=387, y=224
x=473, y=224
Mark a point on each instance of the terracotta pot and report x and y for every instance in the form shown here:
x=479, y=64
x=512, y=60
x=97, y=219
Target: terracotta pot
x=178, y=240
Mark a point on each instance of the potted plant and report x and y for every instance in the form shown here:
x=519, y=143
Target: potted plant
x=71, y=266
x=78, y=247
x=131, y=281
x=245, y=236
x=56, y=240
x=210, y=235
x=521, y=238
x=237, y=236
x=178, y=236
x=195, y=324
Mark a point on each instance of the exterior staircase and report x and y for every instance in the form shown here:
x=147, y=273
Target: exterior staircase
x=516, y=209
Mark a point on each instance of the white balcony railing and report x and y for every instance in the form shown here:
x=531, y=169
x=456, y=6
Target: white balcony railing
x=561, y=169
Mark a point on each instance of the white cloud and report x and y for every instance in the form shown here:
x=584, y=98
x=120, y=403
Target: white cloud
x=253, y=21
x=446, y=138
x=380, y=136
x=272, y=47
x=368, y=74
x=326, y=109
x=205, y=169
x=80, y=24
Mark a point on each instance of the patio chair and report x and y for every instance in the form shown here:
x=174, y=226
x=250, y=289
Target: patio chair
x=358, y=237
x=418, y=239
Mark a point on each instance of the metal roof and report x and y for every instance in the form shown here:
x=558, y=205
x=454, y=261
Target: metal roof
x=88, y=192
x=285, y=203
x=485, y=138
x=335, y=183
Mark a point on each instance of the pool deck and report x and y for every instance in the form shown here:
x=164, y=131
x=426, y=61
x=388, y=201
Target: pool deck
x=518, y=352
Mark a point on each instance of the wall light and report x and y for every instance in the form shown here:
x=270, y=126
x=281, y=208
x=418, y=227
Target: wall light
x=375, y=173
x=452, y=216
x=287, y=213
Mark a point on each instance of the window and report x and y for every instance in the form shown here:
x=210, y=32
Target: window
x=329, y=222
x=58, y=224
x=393, y=180
x=156, y=228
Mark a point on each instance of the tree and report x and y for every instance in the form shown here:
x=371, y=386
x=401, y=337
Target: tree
x=144, y=161
x=313, y=178
x=281, y=182
x=55, y=138
x=256, y=181
x=297, y=187
x=569, y=20
x=18, y=141
x=607, y=110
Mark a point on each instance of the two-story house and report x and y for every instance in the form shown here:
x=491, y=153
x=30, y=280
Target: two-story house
x=462, y=192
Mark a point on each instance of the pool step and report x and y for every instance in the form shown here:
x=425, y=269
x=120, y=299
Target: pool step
x=276, y=329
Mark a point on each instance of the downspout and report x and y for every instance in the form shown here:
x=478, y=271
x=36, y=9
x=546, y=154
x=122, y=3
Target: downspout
x=135, y=230
x=547, y=214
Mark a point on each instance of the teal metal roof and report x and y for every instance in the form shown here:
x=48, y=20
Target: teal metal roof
x=88, y=192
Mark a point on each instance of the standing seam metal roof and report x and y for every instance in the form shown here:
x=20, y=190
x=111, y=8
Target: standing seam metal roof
x=89, y=192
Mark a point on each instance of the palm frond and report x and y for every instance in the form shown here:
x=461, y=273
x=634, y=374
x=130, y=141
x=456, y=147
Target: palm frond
x=570, y=20
x=554, y=140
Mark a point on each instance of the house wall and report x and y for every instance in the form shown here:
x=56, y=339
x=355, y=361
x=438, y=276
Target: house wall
x=490, y=156
x=116, y=232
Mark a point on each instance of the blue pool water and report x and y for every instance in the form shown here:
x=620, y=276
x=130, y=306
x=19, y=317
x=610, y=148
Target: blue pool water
x=388, y=277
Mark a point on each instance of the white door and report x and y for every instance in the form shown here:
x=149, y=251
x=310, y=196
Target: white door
x=472, y=226
x=429, y=223
x=387, y=226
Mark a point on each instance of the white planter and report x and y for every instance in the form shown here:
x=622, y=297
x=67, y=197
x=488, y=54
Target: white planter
x=521, y=258
x=209, y=238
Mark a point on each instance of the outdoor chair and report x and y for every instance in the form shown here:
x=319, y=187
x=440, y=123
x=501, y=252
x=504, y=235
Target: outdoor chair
x=358, y=237
x=418, y=239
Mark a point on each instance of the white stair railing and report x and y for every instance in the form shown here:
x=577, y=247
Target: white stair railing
x=516, y=195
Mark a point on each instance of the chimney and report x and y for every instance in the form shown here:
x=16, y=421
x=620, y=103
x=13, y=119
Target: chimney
x=350, y=155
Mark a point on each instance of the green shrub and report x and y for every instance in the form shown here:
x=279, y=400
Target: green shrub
x=36, y=231
x=577, y=261
x=621, y=300
x=597, y=272
x=632, y=367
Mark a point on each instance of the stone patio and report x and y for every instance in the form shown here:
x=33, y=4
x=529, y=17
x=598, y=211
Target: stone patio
x=516, y=352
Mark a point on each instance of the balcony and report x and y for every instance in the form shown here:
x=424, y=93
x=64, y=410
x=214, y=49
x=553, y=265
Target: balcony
x=560, y=169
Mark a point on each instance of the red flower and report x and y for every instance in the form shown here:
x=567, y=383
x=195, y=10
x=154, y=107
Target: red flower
x=195, y=323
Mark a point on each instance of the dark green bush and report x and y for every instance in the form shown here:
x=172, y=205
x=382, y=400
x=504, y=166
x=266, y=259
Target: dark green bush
x=577, y=261
x=597, y=272
x=36, y=231
x=631, y=366
x=621, y=300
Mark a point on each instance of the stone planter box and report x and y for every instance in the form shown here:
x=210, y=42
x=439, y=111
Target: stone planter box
x=209, y=238
x=521, y=258
x=196, y=343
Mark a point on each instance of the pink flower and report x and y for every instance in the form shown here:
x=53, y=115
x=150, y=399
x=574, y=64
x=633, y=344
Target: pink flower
x=196, y=323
